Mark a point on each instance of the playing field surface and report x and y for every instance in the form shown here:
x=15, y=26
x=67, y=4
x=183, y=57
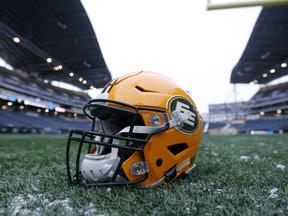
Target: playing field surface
x=235, y=175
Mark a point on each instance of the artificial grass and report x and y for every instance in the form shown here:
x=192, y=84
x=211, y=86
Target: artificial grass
x=235, y=175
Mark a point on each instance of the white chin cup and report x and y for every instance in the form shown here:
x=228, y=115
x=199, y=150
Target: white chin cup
x=98, y=168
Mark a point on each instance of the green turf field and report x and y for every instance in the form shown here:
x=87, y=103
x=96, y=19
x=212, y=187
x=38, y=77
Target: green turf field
x=235, y=175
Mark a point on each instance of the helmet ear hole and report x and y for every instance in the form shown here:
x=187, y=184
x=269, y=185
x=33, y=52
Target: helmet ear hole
x=177, y=148
x=159, y=162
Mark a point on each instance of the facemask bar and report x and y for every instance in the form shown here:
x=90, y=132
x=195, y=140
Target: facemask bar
x=87, y=138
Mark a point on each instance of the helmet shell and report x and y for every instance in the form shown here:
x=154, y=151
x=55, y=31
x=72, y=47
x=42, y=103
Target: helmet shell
x=171, y=147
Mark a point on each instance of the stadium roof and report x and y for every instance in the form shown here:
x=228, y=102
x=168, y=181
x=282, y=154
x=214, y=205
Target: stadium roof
x=50, y=40
x=265, y=57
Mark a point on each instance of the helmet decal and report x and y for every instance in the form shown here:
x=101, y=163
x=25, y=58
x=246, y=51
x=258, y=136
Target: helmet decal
x=181, y=105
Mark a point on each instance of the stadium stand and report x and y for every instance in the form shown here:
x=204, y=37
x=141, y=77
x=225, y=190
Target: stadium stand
x=264, y=126
x=31, y=106
x=270, y=100
x=14, y=82
x=52, y=40
x=25, y=122
x=46, y=41
x=265, y=56
x=264, y=60
x=42, y=42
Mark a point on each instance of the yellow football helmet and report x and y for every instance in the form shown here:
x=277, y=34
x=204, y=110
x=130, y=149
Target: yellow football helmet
x=149, y=135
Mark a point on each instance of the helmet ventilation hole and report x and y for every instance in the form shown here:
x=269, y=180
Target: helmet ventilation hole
x=177, y=148
x=139, y=88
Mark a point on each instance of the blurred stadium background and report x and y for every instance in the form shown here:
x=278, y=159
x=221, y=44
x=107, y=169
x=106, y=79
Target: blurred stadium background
x=38, y=39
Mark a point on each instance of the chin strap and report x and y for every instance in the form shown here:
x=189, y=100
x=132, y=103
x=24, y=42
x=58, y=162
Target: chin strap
x=171, y=174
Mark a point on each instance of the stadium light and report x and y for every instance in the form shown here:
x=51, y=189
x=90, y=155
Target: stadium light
x=49, y=60
x=283, y=65
x=4, y=107
x=56, y=68
x=16, y=40
x=71, y=74
x=272, y=70
x=60, y=109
